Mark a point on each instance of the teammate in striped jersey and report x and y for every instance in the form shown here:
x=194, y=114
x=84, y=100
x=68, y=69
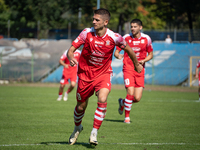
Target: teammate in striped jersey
x=69, y=73
x=198, y=75
x=134, y=82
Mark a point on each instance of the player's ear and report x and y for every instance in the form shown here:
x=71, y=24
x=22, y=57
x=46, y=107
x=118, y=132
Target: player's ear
x=106, y=22
x=140, y=27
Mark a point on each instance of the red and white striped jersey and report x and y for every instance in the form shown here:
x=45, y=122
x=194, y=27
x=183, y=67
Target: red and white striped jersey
x=96, y=55
x=64, y=58
x=198, y=64
x=141, y=46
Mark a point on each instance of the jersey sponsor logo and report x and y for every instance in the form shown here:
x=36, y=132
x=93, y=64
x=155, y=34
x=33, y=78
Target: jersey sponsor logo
x=136, y=48
x=136, y=42
x=98, y=42
x=97, y=53
x=75, y=54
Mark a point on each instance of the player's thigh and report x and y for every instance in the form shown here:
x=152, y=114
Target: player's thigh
x=130, y=90
x=102, y=95
x=102, y=87
x=84, y=91
x=138, y=93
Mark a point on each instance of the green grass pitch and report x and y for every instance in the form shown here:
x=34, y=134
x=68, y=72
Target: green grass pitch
x=31, y=118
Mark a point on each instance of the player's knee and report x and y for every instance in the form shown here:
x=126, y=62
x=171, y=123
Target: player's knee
x=62, y=86
x=102, y=99
x=80, y=108
x=73, y=84
x=136, y=99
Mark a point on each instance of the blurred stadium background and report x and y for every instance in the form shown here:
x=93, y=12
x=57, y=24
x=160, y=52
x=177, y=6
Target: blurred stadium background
x=33, y=37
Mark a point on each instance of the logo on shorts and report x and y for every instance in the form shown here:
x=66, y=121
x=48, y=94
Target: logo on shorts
x=108, y=84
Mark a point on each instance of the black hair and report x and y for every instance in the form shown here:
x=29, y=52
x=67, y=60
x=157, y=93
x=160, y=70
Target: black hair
x=103, y=11
x=138, y=21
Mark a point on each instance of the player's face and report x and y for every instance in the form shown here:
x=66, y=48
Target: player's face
x=135, y=29
x=98, y=22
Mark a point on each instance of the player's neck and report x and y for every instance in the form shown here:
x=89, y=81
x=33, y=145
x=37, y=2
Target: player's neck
x=101, y=32
x=138, y=35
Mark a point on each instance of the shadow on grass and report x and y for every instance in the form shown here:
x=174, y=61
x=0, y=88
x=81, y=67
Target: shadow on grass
x=112, y=120
x=87, y=145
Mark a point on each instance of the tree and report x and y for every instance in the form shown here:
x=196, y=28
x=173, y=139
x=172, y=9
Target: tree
x=4, y=17
x=178, y=13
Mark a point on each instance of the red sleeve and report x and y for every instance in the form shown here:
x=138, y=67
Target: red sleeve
x=80, y=39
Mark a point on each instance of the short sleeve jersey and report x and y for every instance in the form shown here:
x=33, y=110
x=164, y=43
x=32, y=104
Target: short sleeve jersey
x=198, y=66
x=141, y=46
x=64, y=58
x=96, y=55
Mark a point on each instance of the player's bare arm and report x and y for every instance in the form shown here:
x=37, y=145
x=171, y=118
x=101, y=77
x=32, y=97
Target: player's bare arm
x=118, y=55
x=64, y=64
x=149, y=57
x=70, y=56
x=131, y=54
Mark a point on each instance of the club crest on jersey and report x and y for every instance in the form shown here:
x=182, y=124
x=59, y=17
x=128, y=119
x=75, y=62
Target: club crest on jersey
x=129, y=41
x=142, y=41
x=107, y=42
x=91, y=39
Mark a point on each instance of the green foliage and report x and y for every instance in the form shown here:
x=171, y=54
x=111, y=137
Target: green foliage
x=176, y=13
x=4, y=16
x=155, y=14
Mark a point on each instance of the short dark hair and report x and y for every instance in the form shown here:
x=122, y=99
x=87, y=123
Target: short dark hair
x=138, y=21
x=103, y=12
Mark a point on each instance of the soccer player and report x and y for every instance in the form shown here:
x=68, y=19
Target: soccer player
x=134, y=81
x=94, y=70
x=69, y=73
x=198, y=75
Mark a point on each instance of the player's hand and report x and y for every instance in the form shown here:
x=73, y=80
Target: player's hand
x=196, y=76
x=66, y=66
x=73, y=62
x=120, y=56
x=138, y=68
x=141, y=62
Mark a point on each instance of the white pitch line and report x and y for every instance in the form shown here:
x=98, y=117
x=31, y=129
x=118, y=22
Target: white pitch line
x=9, y=145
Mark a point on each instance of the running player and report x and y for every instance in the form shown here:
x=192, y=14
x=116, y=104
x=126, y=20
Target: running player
x=198, y=75
x=69, y=73
x=134, y=81
x=94, y=70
